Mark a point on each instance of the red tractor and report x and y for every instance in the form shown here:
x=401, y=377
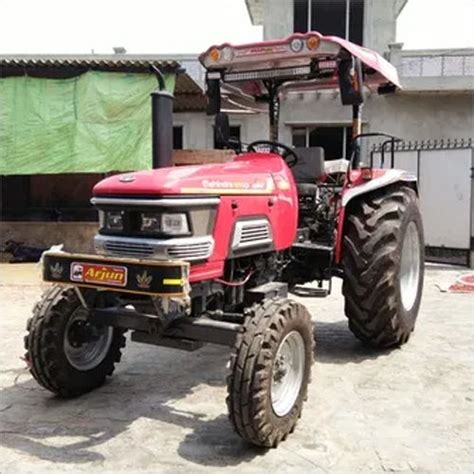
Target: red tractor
x=208, y=253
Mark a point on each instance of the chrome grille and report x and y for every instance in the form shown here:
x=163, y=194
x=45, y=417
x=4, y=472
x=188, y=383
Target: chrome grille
x=251, y=234
x=182, y=248
x=193, y=251
x=136, y=249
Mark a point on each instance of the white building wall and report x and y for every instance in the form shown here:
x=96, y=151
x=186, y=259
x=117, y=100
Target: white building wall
x=277, y=18
x=408, y=116
x=198, y=128
x=422, y=117
x=380, y=17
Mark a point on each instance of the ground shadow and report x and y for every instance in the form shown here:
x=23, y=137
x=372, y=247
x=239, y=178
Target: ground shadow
x=31, y=417
x=335, y=344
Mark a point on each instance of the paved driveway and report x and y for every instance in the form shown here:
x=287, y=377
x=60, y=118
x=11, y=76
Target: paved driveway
x=406, y=410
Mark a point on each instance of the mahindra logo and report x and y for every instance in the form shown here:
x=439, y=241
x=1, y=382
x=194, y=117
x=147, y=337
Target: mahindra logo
x=128, y=178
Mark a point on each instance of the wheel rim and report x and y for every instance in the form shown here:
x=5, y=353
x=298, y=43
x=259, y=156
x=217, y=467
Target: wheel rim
x=86, y=355
x=288, y=370
x=410, y=266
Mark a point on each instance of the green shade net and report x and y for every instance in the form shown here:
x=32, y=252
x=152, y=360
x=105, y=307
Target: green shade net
x=93, y=123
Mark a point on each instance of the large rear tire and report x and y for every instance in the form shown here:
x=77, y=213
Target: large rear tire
x=383, y=263
x=60, y=358
x=270, y=371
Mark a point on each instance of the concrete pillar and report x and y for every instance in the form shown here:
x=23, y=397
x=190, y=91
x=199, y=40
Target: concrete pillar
x=380, y=20
x=277, y=19
x=395, y=54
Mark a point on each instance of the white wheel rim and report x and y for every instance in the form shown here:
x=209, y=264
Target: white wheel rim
x=88, y=355
x=410, y=266
x=287, y=373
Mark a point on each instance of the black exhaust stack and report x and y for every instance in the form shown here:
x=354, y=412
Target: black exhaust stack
x=161, y=124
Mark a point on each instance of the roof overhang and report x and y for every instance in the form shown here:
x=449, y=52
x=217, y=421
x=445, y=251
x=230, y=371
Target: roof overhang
x=399, y=6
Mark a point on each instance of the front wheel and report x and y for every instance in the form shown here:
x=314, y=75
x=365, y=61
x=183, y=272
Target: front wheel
x=270, y=371
x=383, y=262
x=65, y=352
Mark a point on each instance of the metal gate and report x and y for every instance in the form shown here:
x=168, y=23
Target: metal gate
x=444, y=171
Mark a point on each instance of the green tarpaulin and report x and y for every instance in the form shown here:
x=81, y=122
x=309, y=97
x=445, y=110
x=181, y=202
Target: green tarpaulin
x=95, y=122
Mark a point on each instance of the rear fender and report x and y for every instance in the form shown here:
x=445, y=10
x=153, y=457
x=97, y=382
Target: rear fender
x=357, y=186
x=381, y=178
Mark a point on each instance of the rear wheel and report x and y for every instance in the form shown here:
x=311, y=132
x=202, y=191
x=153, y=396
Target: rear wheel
x=66, y=353
x=383, y=262
x=270, y=371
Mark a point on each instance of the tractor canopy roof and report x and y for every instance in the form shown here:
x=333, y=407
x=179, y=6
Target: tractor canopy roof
x=308, y=60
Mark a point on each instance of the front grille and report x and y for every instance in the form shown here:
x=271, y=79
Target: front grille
x=180, y=248
x=136, y=249
x=191, y=251
x=251, y=234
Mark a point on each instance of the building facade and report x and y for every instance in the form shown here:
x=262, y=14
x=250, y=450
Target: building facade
x=433, y=113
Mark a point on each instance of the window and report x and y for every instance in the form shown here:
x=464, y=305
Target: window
x=178, y=137
x=329, y=18
x=336, y=141
x=234, y=131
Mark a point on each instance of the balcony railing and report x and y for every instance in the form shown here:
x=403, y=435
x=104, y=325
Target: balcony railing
x=437, y=65
x=434, y=70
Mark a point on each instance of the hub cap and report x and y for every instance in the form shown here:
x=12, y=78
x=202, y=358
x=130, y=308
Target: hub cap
x=288, y=371
x=86, y=345
x=410, y=266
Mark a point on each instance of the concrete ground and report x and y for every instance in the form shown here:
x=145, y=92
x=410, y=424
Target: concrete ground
x=410, y=409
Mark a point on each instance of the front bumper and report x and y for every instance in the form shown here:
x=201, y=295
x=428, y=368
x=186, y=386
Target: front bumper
x=156, y=278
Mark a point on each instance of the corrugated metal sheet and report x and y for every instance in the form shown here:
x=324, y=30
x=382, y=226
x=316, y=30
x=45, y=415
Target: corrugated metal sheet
x=136, y=63
x=54, y=66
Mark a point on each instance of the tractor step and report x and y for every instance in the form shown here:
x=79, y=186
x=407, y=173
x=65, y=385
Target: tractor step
x=305, y=292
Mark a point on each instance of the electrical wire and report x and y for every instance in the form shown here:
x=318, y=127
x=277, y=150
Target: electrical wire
x=236, y=283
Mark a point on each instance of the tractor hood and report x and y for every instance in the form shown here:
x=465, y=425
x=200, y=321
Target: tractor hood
x=247, y=174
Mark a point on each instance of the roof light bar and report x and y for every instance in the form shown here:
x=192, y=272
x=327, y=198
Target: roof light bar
x=268, y=74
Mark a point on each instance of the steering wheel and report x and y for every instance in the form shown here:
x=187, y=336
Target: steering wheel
x=289, y=155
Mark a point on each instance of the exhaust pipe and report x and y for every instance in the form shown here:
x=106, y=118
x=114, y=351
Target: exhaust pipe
x=161, y=124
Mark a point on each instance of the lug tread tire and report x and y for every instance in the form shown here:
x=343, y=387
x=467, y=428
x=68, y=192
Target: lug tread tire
x=371, y=251
x=43, y=343
x=249, y=382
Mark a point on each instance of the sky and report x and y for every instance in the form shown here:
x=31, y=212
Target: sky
x=190, y=26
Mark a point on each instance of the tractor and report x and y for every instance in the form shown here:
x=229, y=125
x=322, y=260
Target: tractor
x=211, y=253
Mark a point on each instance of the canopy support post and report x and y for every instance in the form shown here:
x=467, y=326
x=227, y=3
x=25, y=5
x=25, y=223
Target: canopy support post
x=274, y=109
x=356, y=131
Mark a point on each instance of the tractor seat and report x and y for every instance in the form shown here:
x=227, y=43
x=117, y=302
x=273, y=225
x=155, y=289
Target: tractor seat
x=308, y=169
x=310, y=165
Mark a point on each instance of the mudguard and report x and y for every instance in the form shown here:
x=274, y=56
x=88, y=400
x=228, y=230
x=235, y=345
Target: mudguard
x=356, y=186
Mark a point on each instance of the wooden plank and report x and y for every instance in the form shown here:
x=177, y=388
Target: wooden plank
x=199, y=157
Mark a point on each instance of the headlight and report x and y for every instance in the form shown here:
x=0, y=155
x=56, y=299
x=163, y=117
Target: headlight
x=171, y=224
x=111, y=220
x=151, y=223
x=174, y=224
